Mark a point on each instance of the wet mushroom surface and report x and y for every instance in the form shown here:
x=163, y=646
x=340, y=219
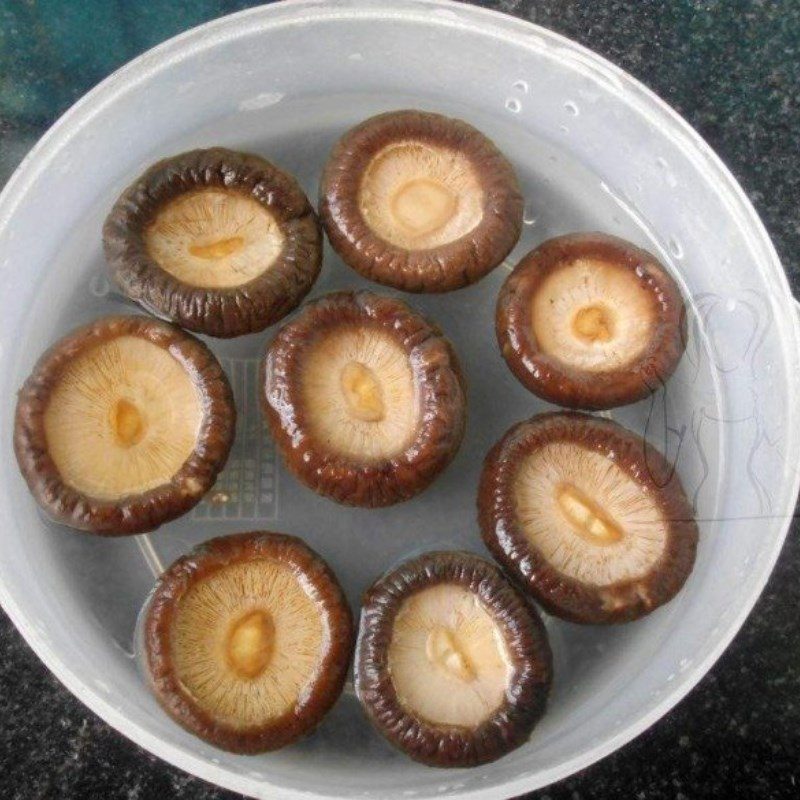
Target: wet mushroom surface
x=364, y=398
x=420, y=201
x=452, y=665
x=123, y=425
x=220, y=242
x=248, y=639
x=589, y=518
x=590, y=321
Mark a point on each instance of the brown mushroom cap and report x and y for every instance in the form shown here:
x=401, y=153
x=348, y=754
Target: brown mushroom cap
x=206, y=664
x=590, y=519
x=369, y=349
x=220, y=242
x=446, y=628
x=420, y=201
x=590, y=321
x=123, y=425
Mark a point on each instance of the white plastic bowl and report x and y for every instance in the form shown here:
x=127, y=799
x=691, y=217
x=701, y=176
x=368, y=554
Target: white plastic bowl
x=594, y=150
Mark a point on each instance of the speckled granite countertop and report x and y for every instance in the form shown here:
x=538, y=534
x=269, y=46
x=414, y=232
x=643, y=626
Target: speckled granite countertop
x=732, y=68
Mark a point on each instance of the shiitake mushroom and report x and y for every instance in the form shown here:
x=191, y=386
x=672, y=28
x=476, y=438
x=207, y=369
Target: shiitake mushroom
x=248, y=639
x=220, y=242
x=420, y=201
x=364, y=398
x=123, y=425
x=587, y=517
x=452, y=665
x=591, y=321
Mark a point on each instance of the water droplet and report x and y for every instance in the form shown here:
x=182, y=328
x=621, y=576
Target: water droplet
x=675, y=248
x=684, y=664
x=730, y=304
x=263, y=100
x=669, y=177
x=571, y=108
x=670, y=677
x=98, y=285
x=355, y=57
x=521, y=86
x=563, y=128
x=528, y=217
x=513, y=105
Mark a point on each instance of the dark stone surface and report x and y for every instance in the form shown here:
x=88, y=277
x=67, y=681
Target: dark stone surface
x=732, y=68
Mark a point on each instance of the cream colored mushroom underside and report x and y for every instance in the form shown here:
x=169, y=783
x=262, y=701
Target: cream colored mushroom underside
x=588, y=284
x=447, y=658
x=139, y=378
x=644, y=529
x=214, y=239
x=331, y=418
x=201, y=631
x=418, y=196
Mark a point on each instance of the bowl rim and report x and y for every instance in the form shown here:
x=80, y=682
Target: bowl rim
x=457, y=15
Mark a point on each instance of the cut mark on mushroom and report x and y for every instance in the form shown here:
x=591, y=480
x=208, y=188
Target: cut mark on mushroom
x=448, y=658
x=593, y=315
x=589, y=519
x=359, y=392
x=128, y=423
x=362, y=392
x=250, y=643
x=593, y=324
x=246, y=641
x=123, y=419
x=419, y=196
x=422, y=206
x=443, y=651
x=214, y=239
x=220, y=249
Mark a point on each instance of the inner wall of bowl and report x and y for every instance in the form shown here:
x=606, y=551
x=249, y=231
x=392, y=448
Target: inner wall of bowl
x=586, y=161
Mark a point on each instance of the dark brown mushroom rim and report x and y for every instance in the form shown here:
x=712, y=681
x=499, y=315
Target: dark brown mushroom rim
x=223, y=312
x=148, y=510
x=203, y=562
x=560, y=383
x=441, y=400
x=440, y=269
x=558, y=593
x=525, y=636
